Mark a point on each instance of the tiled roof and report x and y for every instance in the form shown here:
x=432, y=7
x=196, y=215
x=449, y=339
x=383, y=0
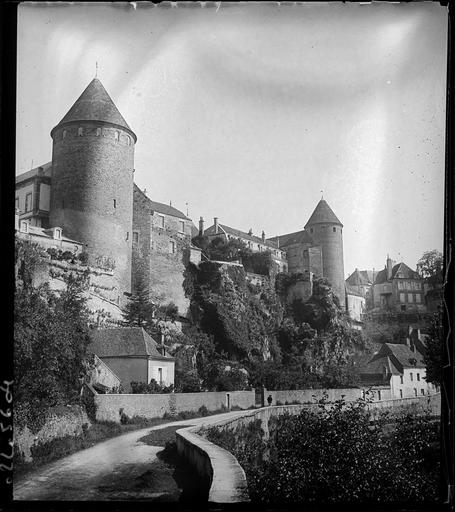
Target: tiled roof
x=407, y=273
x=239, y=234
x=292, y=238
x=165, y=209
x=46, y=171
x=124, y=341
x=358, y=278
x=323, y=214
x=95, y=104
x=47, y=233
x=399, y=356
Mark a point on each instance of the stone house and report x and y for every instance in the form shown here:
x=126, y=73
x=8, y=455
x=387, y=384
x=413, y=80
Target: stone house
x=398, y=288
x=355, y=306
x=33, y=193
x=50, y=238
x=133, y=355
x=253, y=242
x=399, y=368
x=362, y=282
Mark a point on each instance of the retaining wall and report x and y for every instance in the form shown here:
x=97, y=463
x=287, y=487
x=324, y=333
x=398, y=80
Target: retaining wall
x=225, y=476
x=61, y=422
x=156, y=405
x=309, y=395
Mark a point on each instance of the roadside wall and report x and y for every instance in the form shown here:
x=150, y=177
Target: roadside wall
x=156, y=405
x=61, y=422
x=304, y=396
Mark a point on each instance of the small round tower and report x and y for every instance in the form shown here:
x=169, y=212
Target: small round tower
x=327, y=231
x=92, y=181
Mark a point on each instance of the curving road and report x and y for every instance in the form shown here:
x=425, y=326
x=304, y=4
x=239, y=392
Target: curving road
x=121, y=468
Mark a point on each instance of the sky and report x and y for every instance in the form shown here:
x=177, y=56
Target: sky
x=250, y=113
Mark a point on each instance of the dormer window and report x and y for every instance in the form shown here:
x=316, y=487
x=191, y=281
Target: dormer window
x=57, y=234
x=80, y=131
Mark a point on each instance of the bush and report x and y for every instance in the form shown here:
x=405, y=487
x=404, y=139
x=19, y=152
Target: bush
x=203, y=411
x=151, y=388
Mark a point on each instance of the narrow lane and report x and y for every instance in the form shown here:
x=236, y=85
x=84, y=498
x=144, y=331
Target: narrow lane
x=121, y=468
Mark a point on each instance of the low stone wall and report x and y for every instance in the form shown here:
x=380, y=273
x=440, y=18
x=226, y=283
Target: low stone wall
x=156, y=405
x=304, y=396
x=221, y=469
x=218, y=469
x=61, y=422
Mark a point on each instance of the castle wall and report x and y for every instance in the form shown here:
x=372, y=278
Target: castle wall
x=161, y=251
x=92, y=193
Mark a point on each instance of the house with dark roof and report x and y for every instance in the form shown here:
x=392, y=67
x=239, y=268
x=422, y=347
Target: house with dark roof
x=133, y=355
x=253, y=242
x=399, y=368
x=398, y=288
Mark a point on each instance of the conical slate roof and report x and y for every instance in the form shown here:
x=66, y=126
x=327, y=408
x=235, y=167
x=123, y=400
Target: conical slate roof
x=323, y=214
x=95, y=104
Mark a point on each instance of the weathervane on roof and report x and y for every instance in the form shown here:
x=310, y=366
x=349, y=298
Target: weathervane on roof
x=96, y=69
x=187, y=210
x=322, y=195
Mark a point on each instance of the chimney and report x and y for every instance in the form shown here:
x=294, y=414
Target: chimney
x=263, y=236
x=201, y=226
x=215, y=223
x=250, y=232
x=389, y=268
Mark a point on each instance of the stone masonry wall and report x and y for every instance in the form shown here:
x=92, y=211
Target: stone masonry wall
x=156, y=405
x=62, y=421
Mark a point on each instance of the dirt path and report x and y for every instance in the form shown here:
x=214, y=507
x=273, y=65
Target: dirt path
x=122, y=468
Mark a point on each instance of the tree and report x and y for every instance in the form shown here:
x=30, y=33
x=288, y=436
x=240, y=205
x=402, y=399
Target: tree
x=430, y=267
x=433, y=356
x=51, y=335
x=140, y=311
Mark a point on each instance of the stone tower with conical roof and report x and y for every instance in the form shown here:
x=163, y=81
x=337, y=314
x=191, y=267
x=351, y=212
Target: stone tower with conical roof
x=327, y=231
x=92, y=181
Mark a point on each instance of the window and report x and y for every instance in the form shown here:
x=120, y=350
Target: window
x=403, y=308
x=401, y=393
x=417, y=286
x=411, y=376
x=402, y=297
x=161, y=221
x=418, y=376
x=160, y=375
x=401, y=379
x=182, y=226
x=98, y=132
x=128, y=140
x=415, y=391
x=311, y=230
x=28, y=202
x=379, y=395
x=410, y=297
x=115, y=203
x=127, y=235
x=80, y=131
x=418, y=297
x=400, y=285
x=17, y=203
x=57, y=234
x=172, y=247
x=63, y=134
x=422, y=391
x=135, y=237
x=334, y=230
x=116, y=135
x=23, y=227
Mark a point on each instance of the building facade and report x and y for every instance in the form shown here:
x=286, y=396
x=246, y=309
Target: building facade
x=398, y=288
